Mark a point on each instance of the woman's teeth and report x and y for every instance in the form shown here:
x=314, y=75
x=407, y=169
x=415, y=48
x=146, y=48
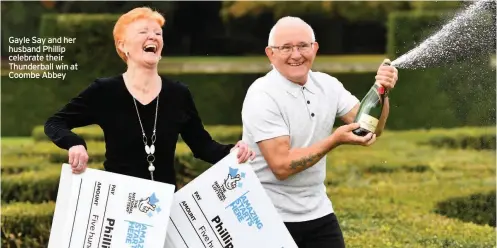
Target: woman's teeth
x=150, y=48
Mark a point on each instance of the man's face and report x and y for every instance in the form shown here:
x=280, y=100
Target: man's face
x=293, y=52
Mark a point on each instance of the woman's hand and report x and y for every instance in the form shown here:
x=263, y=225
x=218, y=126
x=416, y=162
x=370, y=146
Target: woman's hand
x=244, y=152
x=78, y=158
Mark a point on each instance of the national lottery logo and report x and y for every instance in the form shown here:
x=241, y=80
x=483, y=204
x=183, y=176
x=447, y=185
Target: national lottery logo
x=232, y=181
x=148, y=205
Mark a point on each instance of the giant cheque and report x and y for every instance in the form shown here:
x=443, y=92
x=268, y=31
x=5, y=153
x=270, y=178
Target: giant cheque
x=226, y=207
x=103, y=209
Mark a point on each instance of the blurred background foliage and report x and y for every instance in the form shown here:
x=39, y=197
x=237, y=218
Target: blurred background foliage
x=227, y=27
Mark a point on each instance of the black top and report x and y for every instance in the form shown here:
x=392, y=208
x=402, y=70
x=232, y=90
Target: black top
x=108, y=103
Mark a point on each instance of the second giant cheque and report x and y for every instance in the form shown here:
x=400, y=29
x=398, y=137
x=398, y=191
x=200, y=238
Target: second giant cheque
x=103, y=209
x=226, y=207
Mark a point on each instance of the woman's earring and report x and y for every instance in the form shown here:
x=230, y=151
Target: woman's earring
x=127, y=54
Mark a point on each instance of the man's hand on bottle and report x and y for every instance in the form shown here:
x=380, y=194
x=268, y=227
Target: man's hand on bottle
x=78, y=158
x=387, y=76
x=344, y=135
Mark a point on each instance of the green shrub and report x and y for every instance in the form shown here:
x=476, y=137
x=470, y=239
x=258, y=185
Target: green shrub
x=187, y=167
x=42, y=97
x=26, y=224
x=14, y=164
x=32, y=186
x=53, y=154
x=220, y=133
x=382, y=208
x=26, y=104
x=389, y=168
x=89, y=133
x=91, y=31
x=407, y=28
x=484, y=142
x=40, y=186
x=477, y=208
x=223, y=133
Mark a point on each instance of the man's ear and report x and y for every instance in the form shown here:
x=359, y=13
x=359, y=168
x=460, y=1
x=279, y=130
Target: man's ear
x=315, y=47
x=269, y=53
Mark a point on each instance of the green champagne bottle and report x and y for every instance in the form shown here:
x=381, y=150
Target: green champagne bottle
x=370, y=109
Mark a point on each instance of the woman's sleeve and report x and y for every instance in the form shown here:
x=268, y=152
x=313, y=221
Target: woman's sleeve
x=80, y=111
x=198, y=139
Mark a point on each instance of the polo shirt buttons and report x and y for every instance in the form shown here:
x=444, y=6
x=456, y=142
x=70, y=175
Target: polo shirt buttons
x=308, y=102
x=312, y=114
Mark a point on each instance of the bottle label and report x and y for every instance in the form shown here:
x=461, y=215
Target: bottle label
x=368, y=122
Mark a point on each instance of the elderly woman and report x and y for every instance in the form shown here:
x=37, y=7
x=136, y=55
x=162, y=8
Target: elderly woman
x=140, y=112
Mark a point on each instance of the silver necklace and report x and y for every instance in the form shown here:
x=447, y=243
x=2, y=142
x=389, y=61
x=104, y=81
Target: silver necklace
x=150, y=150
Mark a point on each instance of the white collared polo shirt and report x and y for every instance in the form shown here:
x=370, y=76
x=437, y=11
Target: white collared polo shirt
x=274, y=107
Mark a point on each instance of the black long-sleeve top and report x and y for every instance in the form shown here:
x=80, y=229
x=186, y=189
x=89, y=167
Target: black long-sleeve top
x=108, y=103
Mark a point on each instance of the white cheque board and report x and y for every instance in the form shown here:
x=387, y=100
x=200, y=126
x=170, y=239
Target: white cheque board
x=226, y=207
x=103, y=209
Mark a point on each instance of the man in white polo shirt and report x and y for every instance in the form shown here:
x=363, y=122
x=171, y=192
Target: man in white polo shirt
x=288, y=116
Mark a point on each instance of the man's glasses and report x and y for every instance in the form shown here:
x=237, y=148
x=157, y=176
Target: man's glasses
x=287, y=49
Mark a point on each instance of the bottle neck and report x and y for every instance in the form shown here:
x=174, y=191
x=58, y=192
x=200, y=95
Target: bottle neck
x=380, y=89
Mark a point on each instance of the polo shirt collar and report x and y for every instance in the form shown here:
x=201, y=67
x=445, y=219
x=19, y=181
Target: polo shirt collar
x=293, y=88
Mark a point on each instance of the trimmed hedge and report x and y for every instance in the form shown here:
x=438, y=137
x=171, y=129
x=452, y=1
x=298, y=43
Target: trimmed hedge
x=368, y=204
x=218, y=98
x=389, y=168
x=187, y=167
x=31, y=186
x=88, y=133
x=41, y=186
x=34, y=186
x=42, y=97
x=477, y=208
x=14, y=164
x=484, y=142
x=53, y=154
x=92, y=31
x=26, y=224
x=220, y=133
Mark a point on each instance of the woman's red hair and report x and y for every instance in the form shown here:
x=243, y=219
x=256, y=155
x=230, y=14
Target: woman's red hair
x=128, y=18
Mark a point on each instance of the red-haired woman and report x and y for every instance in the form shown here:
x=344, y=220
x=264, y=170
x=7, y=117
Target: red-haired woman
x=140, y=112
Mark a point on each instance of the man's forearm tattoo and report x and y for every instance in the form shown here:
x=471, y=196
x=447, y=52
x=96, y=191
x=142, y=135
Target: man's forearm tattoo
x=305, y=161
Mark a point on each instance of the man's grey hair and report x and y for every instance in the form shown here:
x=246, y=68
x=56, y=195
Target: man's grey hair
x=285, y=21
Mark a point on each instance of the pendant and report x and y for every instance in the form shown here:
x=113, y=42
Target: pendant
x=150, y=149
x=151, y=167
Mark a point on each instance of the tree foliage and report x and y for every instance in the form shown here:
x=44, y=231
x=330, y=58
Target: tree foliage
x=351, y=10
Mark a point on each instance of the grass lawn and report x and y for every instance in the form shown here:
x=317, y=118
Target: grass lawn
x=386, y=195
